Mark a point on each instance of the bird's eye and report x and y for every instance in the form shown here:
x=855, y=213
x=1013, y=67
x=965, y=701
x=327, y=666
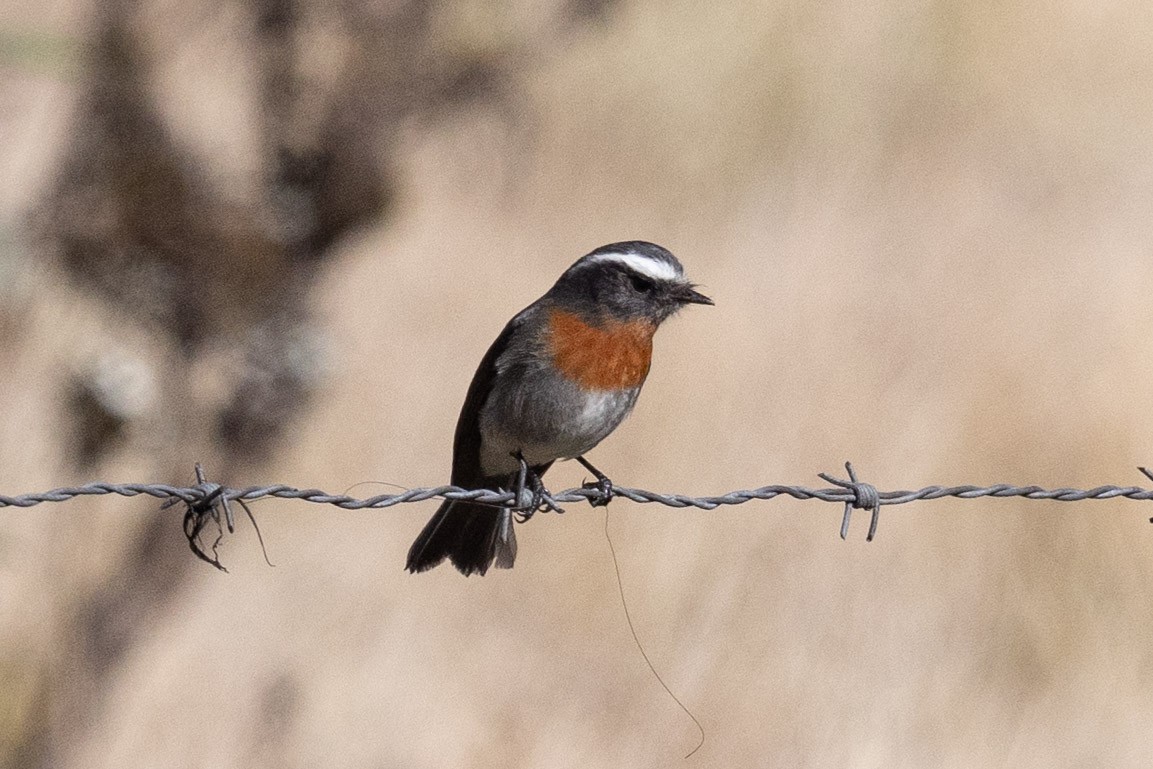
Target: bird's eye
x=641, y=285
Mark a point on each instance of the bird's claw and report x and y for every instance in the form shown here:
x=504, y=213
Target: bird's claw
x=604, y=488
x=541, y=503
x=602, y=485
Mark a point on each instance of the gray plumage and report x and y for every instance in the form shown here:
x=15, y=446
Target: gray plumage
x=520, y=403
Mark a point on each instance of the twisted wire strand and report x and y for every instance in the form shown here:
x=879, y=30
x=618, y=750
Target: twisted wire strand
x=209, y=503
x=843, y=494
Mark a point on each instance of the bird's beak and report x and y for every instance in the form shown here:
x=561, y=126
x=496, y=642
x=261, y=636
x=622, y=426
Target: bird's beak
x=686, y=293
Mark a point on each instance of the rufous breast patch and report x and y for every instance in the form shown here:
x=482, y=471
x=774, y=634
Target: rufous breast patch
x=601, y=357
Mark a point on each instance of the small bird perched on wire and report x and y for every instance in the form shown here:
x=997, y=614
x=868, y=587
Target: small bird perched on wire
x=562, y=375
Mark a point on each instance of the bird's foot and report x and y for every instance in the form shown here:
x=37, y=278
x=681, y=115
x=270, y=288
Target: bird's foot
x=602, y=484
x=531, y=495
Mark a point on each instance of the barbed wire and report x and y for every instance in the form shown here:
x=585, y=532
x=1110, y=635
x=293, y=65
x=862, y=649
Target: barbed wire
x=210, y=502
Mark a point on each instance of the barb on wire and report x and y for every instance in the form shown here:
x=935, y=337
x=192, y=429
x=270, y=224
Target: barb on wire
x=865, y=497
x=208, y=502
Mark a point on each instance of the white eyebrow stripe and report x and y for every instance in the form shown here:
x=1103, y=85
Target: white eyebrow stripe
x=644, y=265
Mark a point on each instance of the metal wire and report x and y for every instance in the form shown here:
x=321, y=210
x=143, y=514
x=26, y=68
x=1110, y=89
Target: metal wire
x=208, y=502
x=856, y=494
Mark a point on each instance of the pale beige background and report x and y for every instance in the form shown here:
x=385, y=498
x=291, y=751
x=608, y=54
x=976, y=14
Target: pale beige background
x=927, y=230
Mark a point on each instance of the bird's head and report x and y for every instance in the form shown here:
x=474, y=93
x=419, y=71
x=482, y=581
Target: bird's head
x=626, y=282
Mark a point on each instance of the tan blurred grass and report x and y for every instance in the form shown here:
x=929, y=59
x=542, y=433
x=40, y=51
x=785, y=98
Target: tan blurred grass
x=926, y=229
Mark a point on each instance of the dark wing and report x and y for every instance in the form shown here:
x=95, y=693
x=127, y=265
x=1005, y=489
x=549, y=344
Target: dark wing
x=471, y=535
x=466, y=469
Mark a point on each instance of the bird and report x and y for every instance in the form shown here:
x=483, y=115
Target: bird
x=561, y=376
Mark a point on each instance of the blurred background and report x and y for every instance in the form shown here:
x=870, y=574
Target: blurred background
x=277, y=236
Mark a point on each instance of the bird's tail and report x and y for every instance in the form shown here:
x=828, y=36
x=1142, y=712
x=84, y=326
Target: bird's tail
x=472, y=536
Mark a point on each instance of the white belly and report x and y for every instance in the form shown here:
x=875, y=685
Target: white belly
x=570, y=435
